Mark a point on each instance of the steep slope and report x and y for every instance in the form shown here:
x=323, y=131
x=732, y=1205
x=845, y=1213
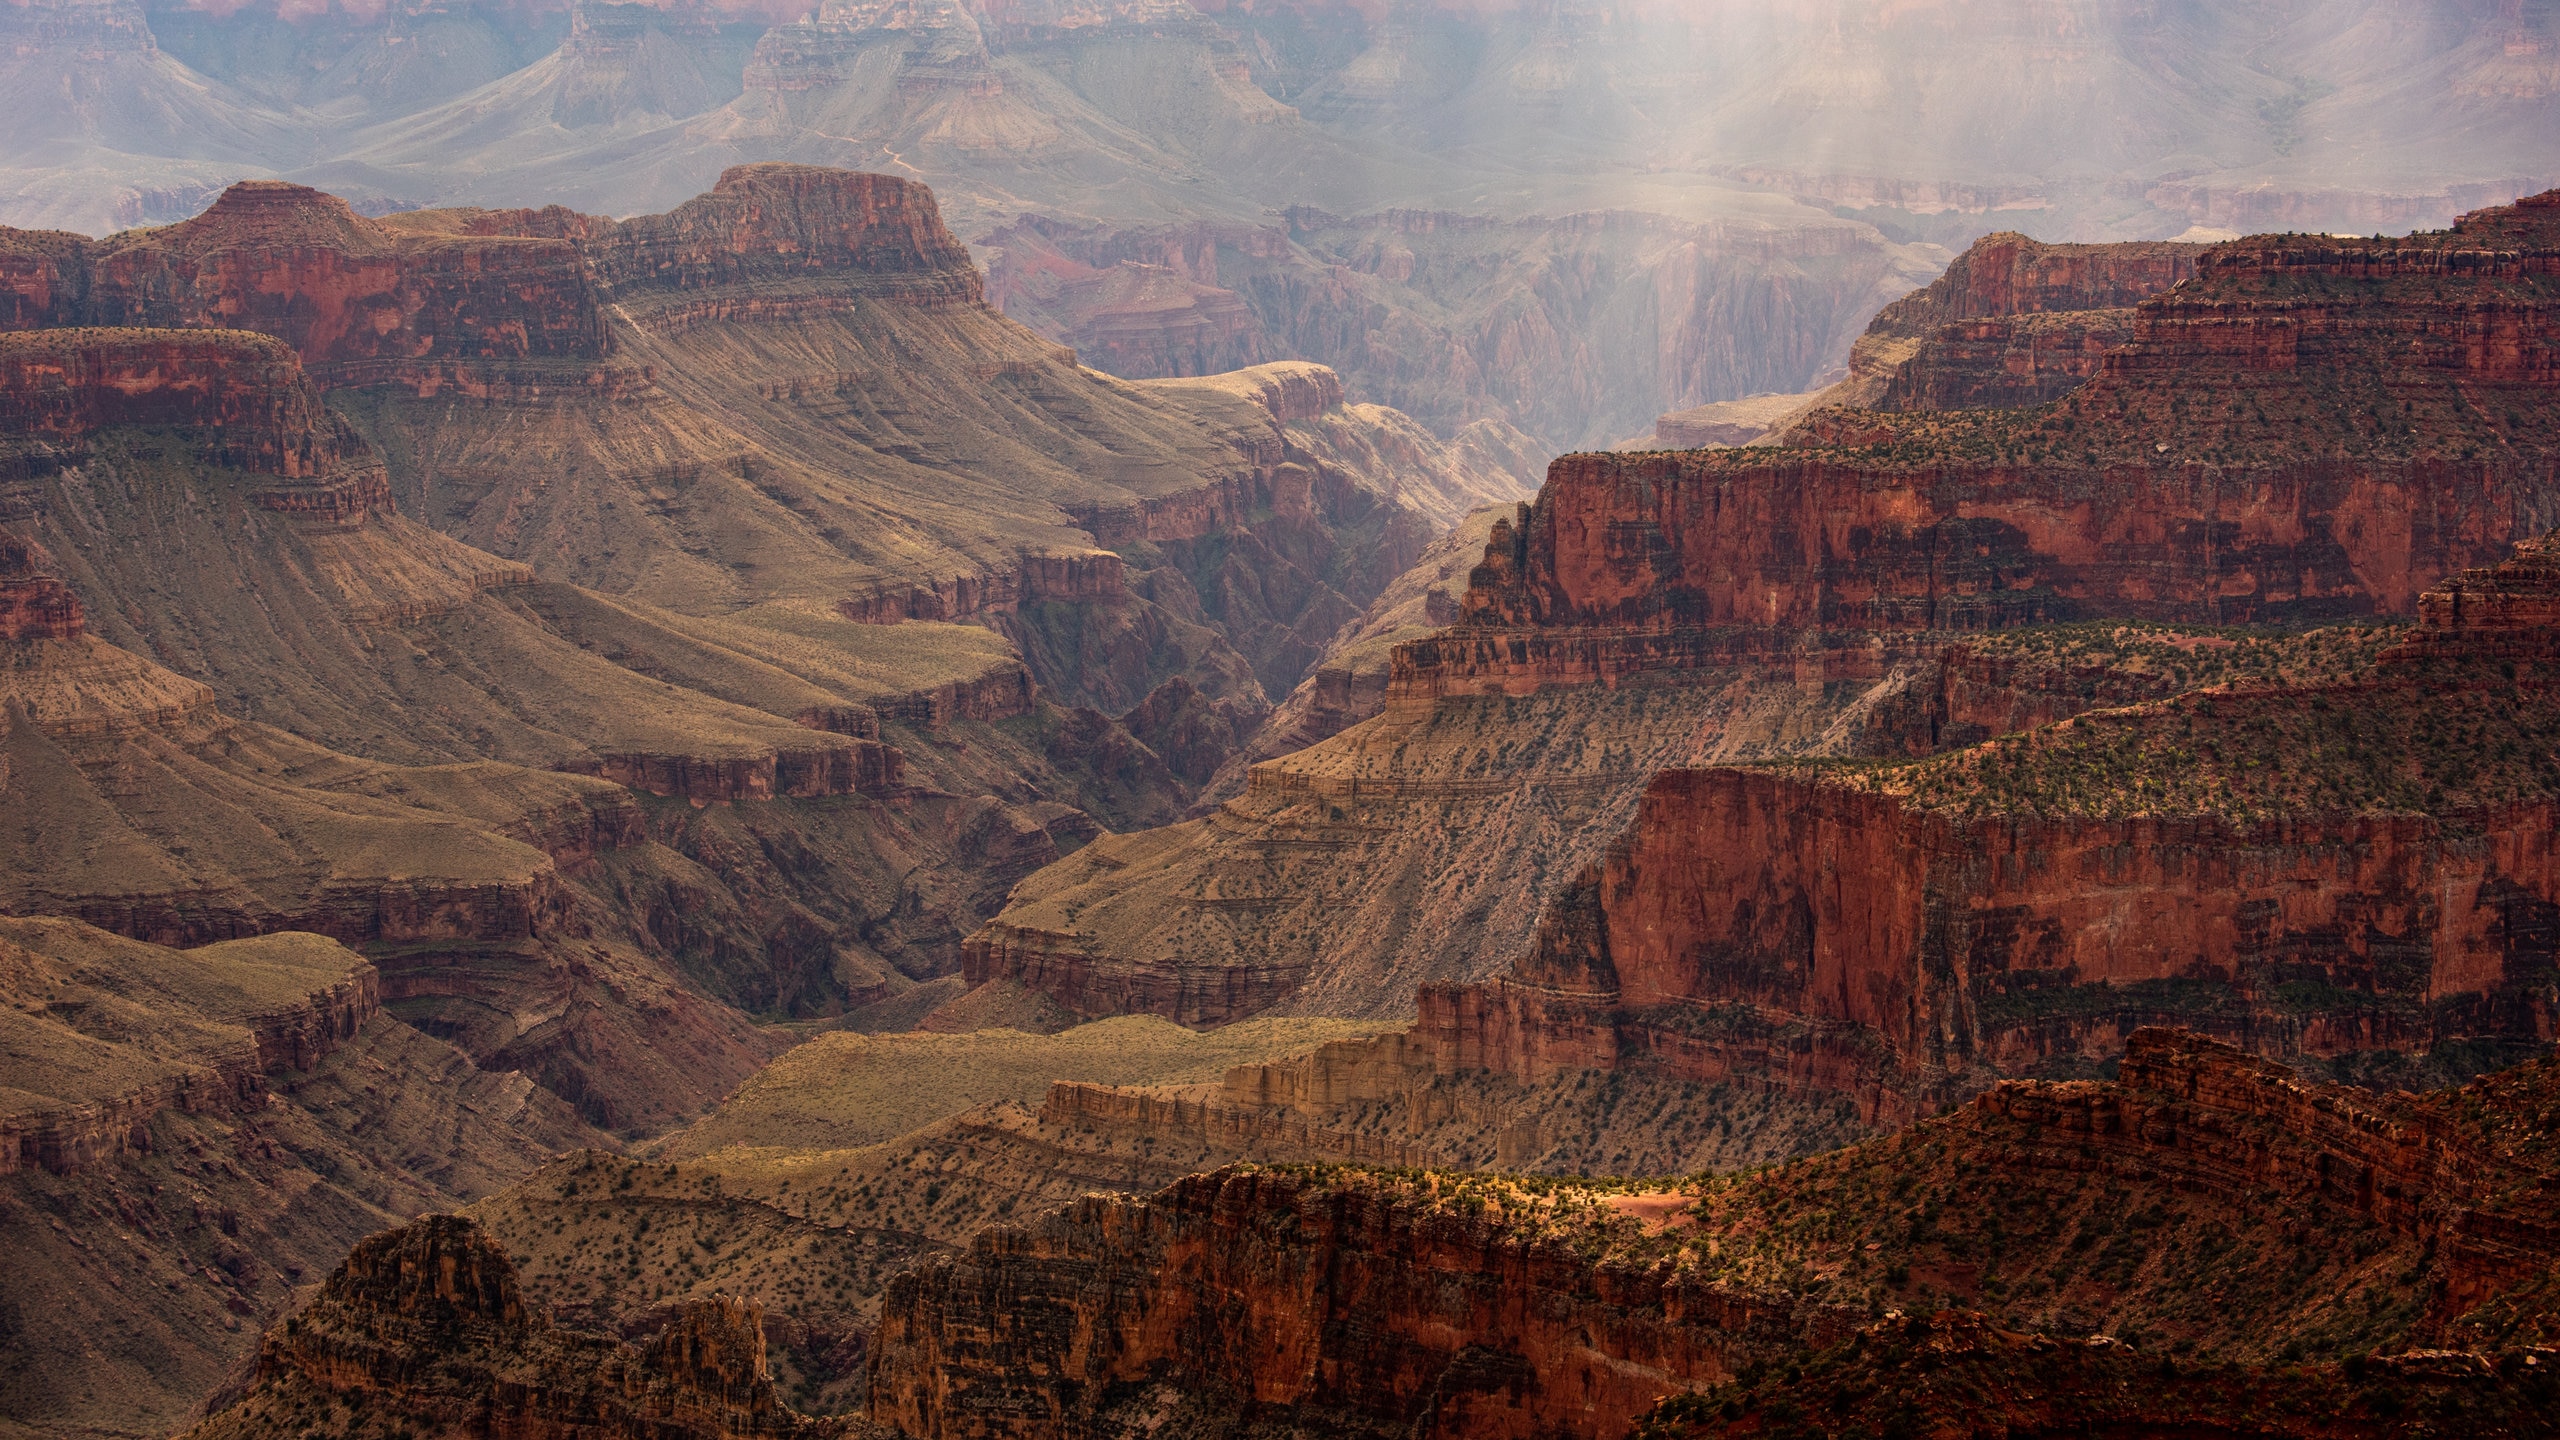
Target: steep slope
x=189, y=1134
x=2210, y=810
x=2179, y=1203
x=426, y=1326
x=158, y=461
x=891, y=550
x=2346, y=860
x=1797, y=601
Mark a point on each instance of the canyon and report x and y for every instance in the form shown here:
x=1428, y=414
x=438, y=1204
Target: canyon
x=695, y=715
x=1853, y=583
x=191, y=1136
x=1006, y=809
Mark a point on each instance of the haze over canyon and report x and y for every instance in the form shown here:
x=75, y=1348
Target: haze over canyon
x=1201, y=719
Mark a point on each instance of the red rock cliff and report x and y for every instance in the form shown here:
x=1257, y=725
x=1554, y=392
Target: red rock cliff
x=2008, y=274
x=241, y=398
x=345, y=291
x=762, y=223
x=424, y=298
x=2302, y=429
x=2316, y=868
x=1272, y=1289
x=1448, y=1306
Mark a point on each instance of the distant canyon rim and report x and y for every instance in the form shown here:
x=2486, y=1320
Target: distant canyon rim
x=1566, y=218
x=1138, y=720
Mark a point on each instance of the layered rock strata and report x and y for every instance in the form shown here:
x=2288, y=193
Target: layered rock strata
x=2229, y=463
x=1368, y=1298
x=419, y=300
x=2216, y=469
x=206, y=1128
x=242, y=1020
x=1358, y=1303
x=2303, y=869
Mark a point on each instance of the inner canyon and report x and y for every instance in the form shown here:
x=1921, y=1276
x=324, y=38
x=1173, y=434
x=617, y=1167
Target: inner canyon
x=1279, y=720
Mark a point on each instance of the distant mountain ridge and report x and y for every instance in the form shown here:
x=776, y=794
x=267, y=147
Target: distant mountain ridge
x=1756, y=120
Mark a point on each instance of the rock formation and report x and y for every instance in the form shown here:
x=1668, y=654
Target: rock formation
x=188, y=1135
x=2219, y=459
x=1357, y=1302
x=1813, y=600
x=427, y=1326
x=586, y=839
x=2068, y=882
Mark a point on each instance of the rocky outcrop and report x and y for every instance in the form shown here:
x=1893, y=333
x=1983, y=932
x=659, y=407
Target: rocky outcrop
x=241, y=398
x=342, y=290
x=2218, y=468
x=1302, y=1293
x=85, y=1087
x=2239, y=861
x=2007, y=364
x=1356, y=1303
x=859, y=767
x=432, y=300
x=767, y=223
x=2217, y=1121
x=428, y=1323
x=1064, y=968
x=1668, y=542
x=210, y=1128
x=1063, y=579
x=2007, y=274
x=34, y=605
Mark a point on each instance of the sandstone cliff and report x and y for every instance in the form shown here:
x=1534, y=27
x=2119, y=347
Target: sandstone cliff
x=2346, y=862
x=2214, y=469
x=365, y=302
x=1359, y=1302
x=1819, y=583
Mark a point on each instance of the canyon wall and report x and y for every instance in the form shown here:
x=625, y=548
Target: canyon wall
x=1902, y=934
x=1355, y=1302
x=1267, y=1288
x=426, y=299
x=1788, y=539
x=62, y=1123
x=429, y=1322
x=2230, y=462
x=2008, y=274
x=241, y=397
